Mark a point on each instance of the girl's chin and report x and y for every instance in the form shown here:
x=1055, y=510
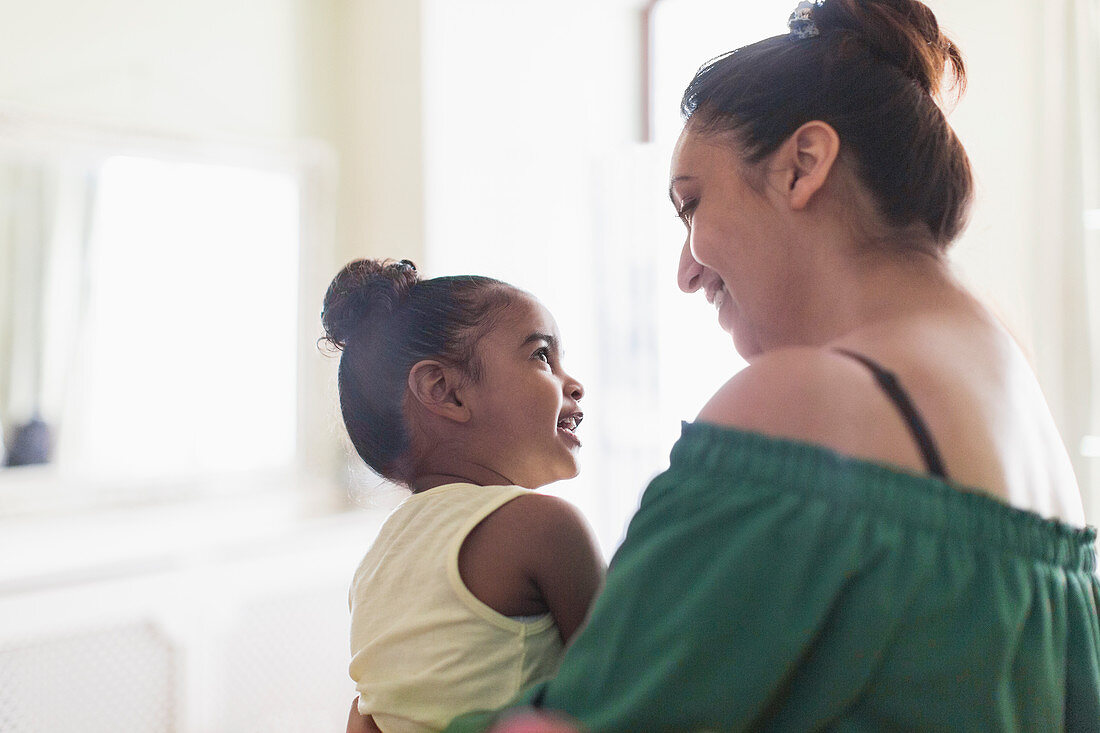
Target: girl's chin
x=564, y=473
x=570, y=470
x=567, y=471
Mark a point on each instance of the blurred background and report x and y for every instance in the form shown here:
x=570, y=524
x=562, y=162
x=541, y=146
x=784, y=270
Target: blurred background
x=179, y=512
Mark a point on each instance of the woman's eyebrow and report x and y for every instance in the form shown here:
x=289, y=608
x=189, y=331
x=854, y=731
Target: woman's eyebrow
x=673, y=182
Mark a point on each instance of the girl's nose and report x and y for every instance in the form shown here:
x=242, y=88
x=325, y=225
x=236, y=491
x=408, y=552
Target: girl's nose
x=574, y=389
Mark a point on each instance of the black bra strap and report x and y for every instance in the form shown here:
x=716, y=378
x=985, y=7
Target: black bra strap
x=890, y=384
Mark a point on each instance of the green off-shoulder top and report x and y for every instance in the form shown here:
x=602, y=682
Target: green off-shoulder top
x=767, y=584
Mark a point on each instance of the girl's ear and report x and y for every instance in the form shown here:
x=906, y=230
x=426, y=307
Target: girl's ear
x=434, y=385
x=805, y=161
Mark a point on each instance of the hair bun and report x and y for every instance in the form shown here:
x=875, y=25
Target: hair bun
x=902, y=32
x=364, y=292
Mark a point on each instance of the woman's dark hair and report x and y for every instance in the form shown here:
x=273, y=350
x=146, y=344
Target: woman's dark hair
x=873, y=73
x=385, y=319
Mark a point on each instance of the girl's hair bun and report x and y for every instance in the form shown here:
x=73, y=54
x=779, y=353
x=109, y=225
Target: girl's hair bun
x=904, y=33
x=365, y=292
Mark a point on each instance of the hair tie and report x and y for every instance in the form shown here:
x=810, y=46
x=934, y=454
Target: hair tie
x=801, y=23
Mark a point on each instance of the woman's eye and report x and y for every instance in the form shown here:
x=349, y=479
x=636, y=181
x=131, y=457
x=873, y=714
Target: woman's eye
x=685, y=211
x=543, y=354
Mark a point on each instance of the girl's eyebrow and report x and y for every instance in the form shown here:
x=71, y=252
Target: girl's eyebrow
x=536, y=336
x=550, y=341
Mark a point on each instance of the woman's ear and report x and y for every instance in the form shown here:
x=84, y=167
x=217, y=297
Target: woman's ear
x=805, y=161
x=435, y=386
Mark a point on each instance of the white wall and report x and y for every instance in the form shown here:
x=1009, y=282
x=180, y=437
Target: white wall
x=345, y=72
x=196, y=66
x=998, y=122
x=1016, y=121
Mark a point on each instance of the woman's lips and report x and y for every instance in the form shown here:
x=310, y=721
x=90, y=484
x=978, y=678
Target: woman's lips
x=717, y=296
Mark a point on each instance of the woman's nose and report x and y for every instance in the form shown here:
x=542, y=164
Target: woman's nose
x=689, y=275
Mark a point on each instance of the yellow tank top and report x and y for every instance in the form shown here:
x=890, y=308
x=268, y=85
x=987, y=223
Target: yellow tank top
x=424, y=648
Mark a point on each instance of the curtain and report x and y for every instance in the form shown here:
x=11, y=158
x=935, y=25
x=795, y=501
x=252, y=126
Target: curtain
x=43, y=236
x=1087, y=27
x=1067, y=255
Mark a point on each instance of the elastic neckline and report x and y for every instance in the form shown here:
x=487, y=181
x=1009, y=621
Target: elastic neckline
x=756, y=461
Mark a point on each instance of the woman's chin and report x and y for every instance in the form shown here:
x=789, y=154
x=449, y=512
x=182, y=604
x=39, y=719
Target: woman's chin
x=744, y=343
x=728, y=323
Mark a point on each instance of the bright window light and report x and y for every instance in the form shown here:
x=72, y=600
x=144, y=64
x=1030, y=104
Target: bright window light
x=189, y=345
x=688, y=33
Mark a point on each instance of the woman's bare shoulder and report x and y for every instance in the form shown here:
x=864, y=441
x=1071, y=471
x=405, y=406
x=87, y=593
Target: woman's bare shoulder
x=784, y=389
x=815, y=395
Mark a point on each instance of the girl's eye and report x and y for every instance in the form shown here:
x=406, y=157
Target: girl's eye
x=543, y=354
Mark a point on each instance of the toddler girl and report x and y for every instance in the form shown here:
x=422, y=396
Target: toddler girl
x=454, y=387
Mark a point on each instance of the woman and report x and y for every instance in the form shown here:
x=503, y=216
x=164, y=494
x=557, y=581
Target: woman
x=874, y=525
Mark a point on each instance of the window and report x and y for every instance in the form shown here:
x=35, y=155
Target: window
x=152, y=322
x=685, y=34
x=188, y=353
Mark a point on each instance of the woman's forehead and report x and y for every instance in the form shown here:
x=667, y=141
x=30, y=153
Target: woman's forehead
x=695, y=145
x=696, y=150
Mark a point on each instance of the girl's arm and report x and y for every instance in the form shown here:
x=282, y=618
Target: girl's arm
x=535, y=555
x=358, y=723
x=564, y=561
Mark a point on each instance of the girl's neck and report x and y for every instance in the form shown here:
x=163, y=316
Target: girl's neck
x=477, y=475
x=438, y=458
